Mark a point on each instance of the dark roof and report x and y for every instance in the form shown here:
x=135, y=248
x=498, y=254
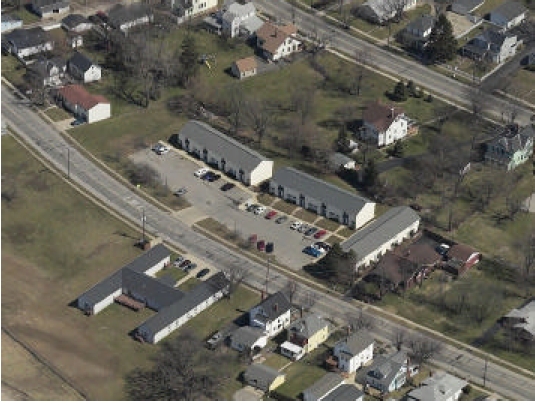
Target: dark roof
x=394, y=268
x=78, y=95
x=357, y=342
x=509, y=10
x=422, y=254
x=150, y=258
x=380, y=231
x=26, y=38
x=461, y=252
x=44, y=66
x=120, y=14
x=319, y=189
x=49, y=5
x=73, y=20
x=262, y=375
x=309, y=325
x=10, y=18
x=385, y=368
x=345, y=392
x=228, y=148
x=158, y=293
x=186, y=303
x=247, y=335
x=323, y=386
x=468, y=5
x=380, y=115
x=512, y=142
x=422, y=23
x=81, y=61
x=275, y=305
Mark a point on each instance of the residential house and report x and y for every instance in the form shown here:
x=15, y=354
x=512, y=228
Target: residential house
x=50, y=72
x=247, y=338
x=26, y=42
x=508, y=15
x=383, y=234
x=389, y=372
x=126, y=17
x=10, y=22
x=380, y=11
x=91, y=108
x=82, y=68
x=272, y=315
x=225, y=153
x=323, y=387
x=345, y=392
x=245, y=67
x=521, y=321
x=308, y=332
x=465, y=7
x=440, y=386
x=47, y=8
x=461, y=258
x=354, y=351
x=416, y=33
x=277, y=41
x=491, y=45
x=76, y=23
x=321, y=197
x=383, y=125
x=340, y=161
x=240, y=19
x=188, y=9
x=263, y=377
x=292, y=351
x=512, y=148
x=393, y=272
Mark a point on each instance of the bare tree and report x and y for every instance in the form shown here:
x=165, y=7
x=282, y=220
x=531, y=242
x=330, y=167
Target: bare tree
x=399, y=338
x=303, y=100
x=235, y=276
x=526, y=258
x=307, y=299
x=260, y=114
x=393, y=11
x=423, y=349
x=360, y=321
x=291, y=289
x=234, y=99
x=363, y=58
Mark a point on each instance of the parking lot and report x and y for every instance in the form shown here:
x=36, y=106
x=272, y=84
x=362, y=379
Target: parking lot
x=176, y=169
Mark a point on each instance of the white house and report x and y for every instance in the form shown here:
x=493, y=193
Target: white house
x=89, y=107
x=240, y=19
x=383, y=125
x=26, y=42
x=321, y=197
x=227, y=154
x=83, y=69
x=277, y=41
x=323, y=387
x=387, y=231
x=416, y=33
x=492, y=45
x=389, y=373
x=248, y=338
x=339, y=160
x=272, y=315
x=50, y=71
x=354, y=351
x=440, y=386
x=48, y=8
x=245, y=67
x=10, y=22
x=187, y=9
x=380, y=11
x=76, y=23
x=126, y=17
x=508, y=15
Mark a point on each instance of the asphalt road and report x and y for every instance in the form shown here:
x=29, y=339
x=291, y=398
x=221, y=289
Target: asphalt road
x=126, y=201
x=387, y=62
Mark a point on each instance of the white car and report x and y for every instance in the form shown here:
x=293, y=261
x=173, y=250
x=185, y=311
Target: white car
x=296, y=225
x=201, y=171
x=160, y=149
x=259, y=210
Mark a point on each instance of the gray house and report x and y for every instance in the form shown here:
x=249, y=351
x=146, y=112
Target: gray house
x=440, y=386
x=354, y=351
x=125, y=17
x=240, y=19
x=323, y=387
x=263, y=377
x=321, y=197
x=247, y=338
x=511, y=148
x=225, y=153
x=26, y=42
x=47, y=8
x=491, y=45
x=389, y=373
x=464, y=7
x=345, y=392
x=50, y=72
x=508, y=15
x=76, y=23
x=416, y=33
x=272, y=315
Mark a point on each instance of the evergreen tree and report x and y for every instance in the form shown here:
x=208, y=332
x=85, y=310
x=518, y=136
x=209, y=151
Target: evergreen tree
x=371, y=175
x=411, y=88
x=400, y=92
x=442, y=45
x=188, y=60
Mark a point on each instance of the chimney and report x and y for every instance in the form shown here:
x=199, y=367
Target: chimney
x=348, y=330
x=408, y=367
x=392, y=112
x=275, y=307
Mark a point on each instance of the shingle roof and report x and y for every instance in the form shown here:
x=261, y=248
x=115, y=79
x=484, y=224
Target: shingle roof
x=309, y=325
x=26, y=38
x=385, y=368
x=380, y=231
x=422, y=23
x=49, y=5
x=223, y=145
x=526, y=313
x=241, y=10
x=380, y=115
x=339, y=159
x=357, y=342
x=275, y=305
x=319, y=189
x=345, y=392
x=78, y=95
x=323, y=386
x=10, y=18
x=261, y=374
x=509, y=10
x=247, y=335
x=273, y=36
x=393, y=268
x=73, y=20
x=469, y=5
x=461, y=252
x=120, y=14
x=439, y=387
x=154, y=290
x=246, y=64
x=44, y=66
x=81, y=61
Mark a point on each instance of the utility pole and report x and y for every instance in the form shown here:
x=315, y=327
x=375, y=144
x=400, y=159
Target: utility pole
x=485, y=373
x=68, y=163
x=143, y=219
x=267, y=278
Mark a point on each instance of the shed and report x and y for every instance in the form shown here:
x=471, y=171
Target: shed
x=263, y=377
x=245, y=67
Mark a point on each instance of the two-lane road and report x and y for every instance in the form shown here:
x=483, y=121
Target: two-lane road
x=130, y=204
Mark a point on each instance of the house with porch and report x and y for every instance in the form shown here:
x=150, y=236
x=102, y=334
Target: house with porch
x=354, y=351
x=187, y=9
x=308, y=332
x=491, y=45
x=390, y=372
x=27, y=42
x=83, y=69
x=511, y=148
x=508, y=15
x=225, y=153
x=277, y=41
x=240, y=20
x=383, y=125
x=272, y=315
x=321, y=197
x=89, y=107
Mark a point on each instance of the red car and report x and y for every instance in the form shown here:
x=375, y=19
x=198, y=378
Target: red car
x=320, y=234
x=261, y=245
x=271, y=214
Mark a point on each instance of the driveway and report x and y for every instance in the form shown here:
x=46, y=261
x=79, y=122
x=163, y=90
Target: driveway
x=248, y=394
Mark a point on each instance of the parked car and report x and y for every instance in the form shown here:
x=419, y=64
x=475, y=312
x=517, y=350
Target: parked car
x=303, y=228
x=201, y=172
x=261, y=245
x=160, y=149
x=189, y=267
x=442, y=249
x=185, y=263
x=202, y=273
x=178, y=261
x=251, y=207
x=227, y=186
x=312, y=251
x=296, y=225
x=259, y=210
x=181, y=191
x=320, y=234
x=271, y=214
x=270, y=247
x=214, y=340
x=322, y=246
x=311, y=231
x=77, y=122
x=207, y=175
x=282, y=219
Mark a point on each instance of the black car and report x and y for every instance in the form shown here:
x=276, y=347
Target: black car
x=190, y=266
x=311, y=231
x=202, y=273
x=227, y=186
x=282, y=219
x=207, y=175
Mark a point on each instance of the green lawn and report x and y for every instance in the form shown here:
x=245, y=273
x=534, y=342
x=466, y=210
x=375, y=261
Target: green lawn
x=277, y=361
x=285, y=207
x=328, y=224
x=305, y=215
x=57, y=114
x=265, y=199
x=13, y=70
